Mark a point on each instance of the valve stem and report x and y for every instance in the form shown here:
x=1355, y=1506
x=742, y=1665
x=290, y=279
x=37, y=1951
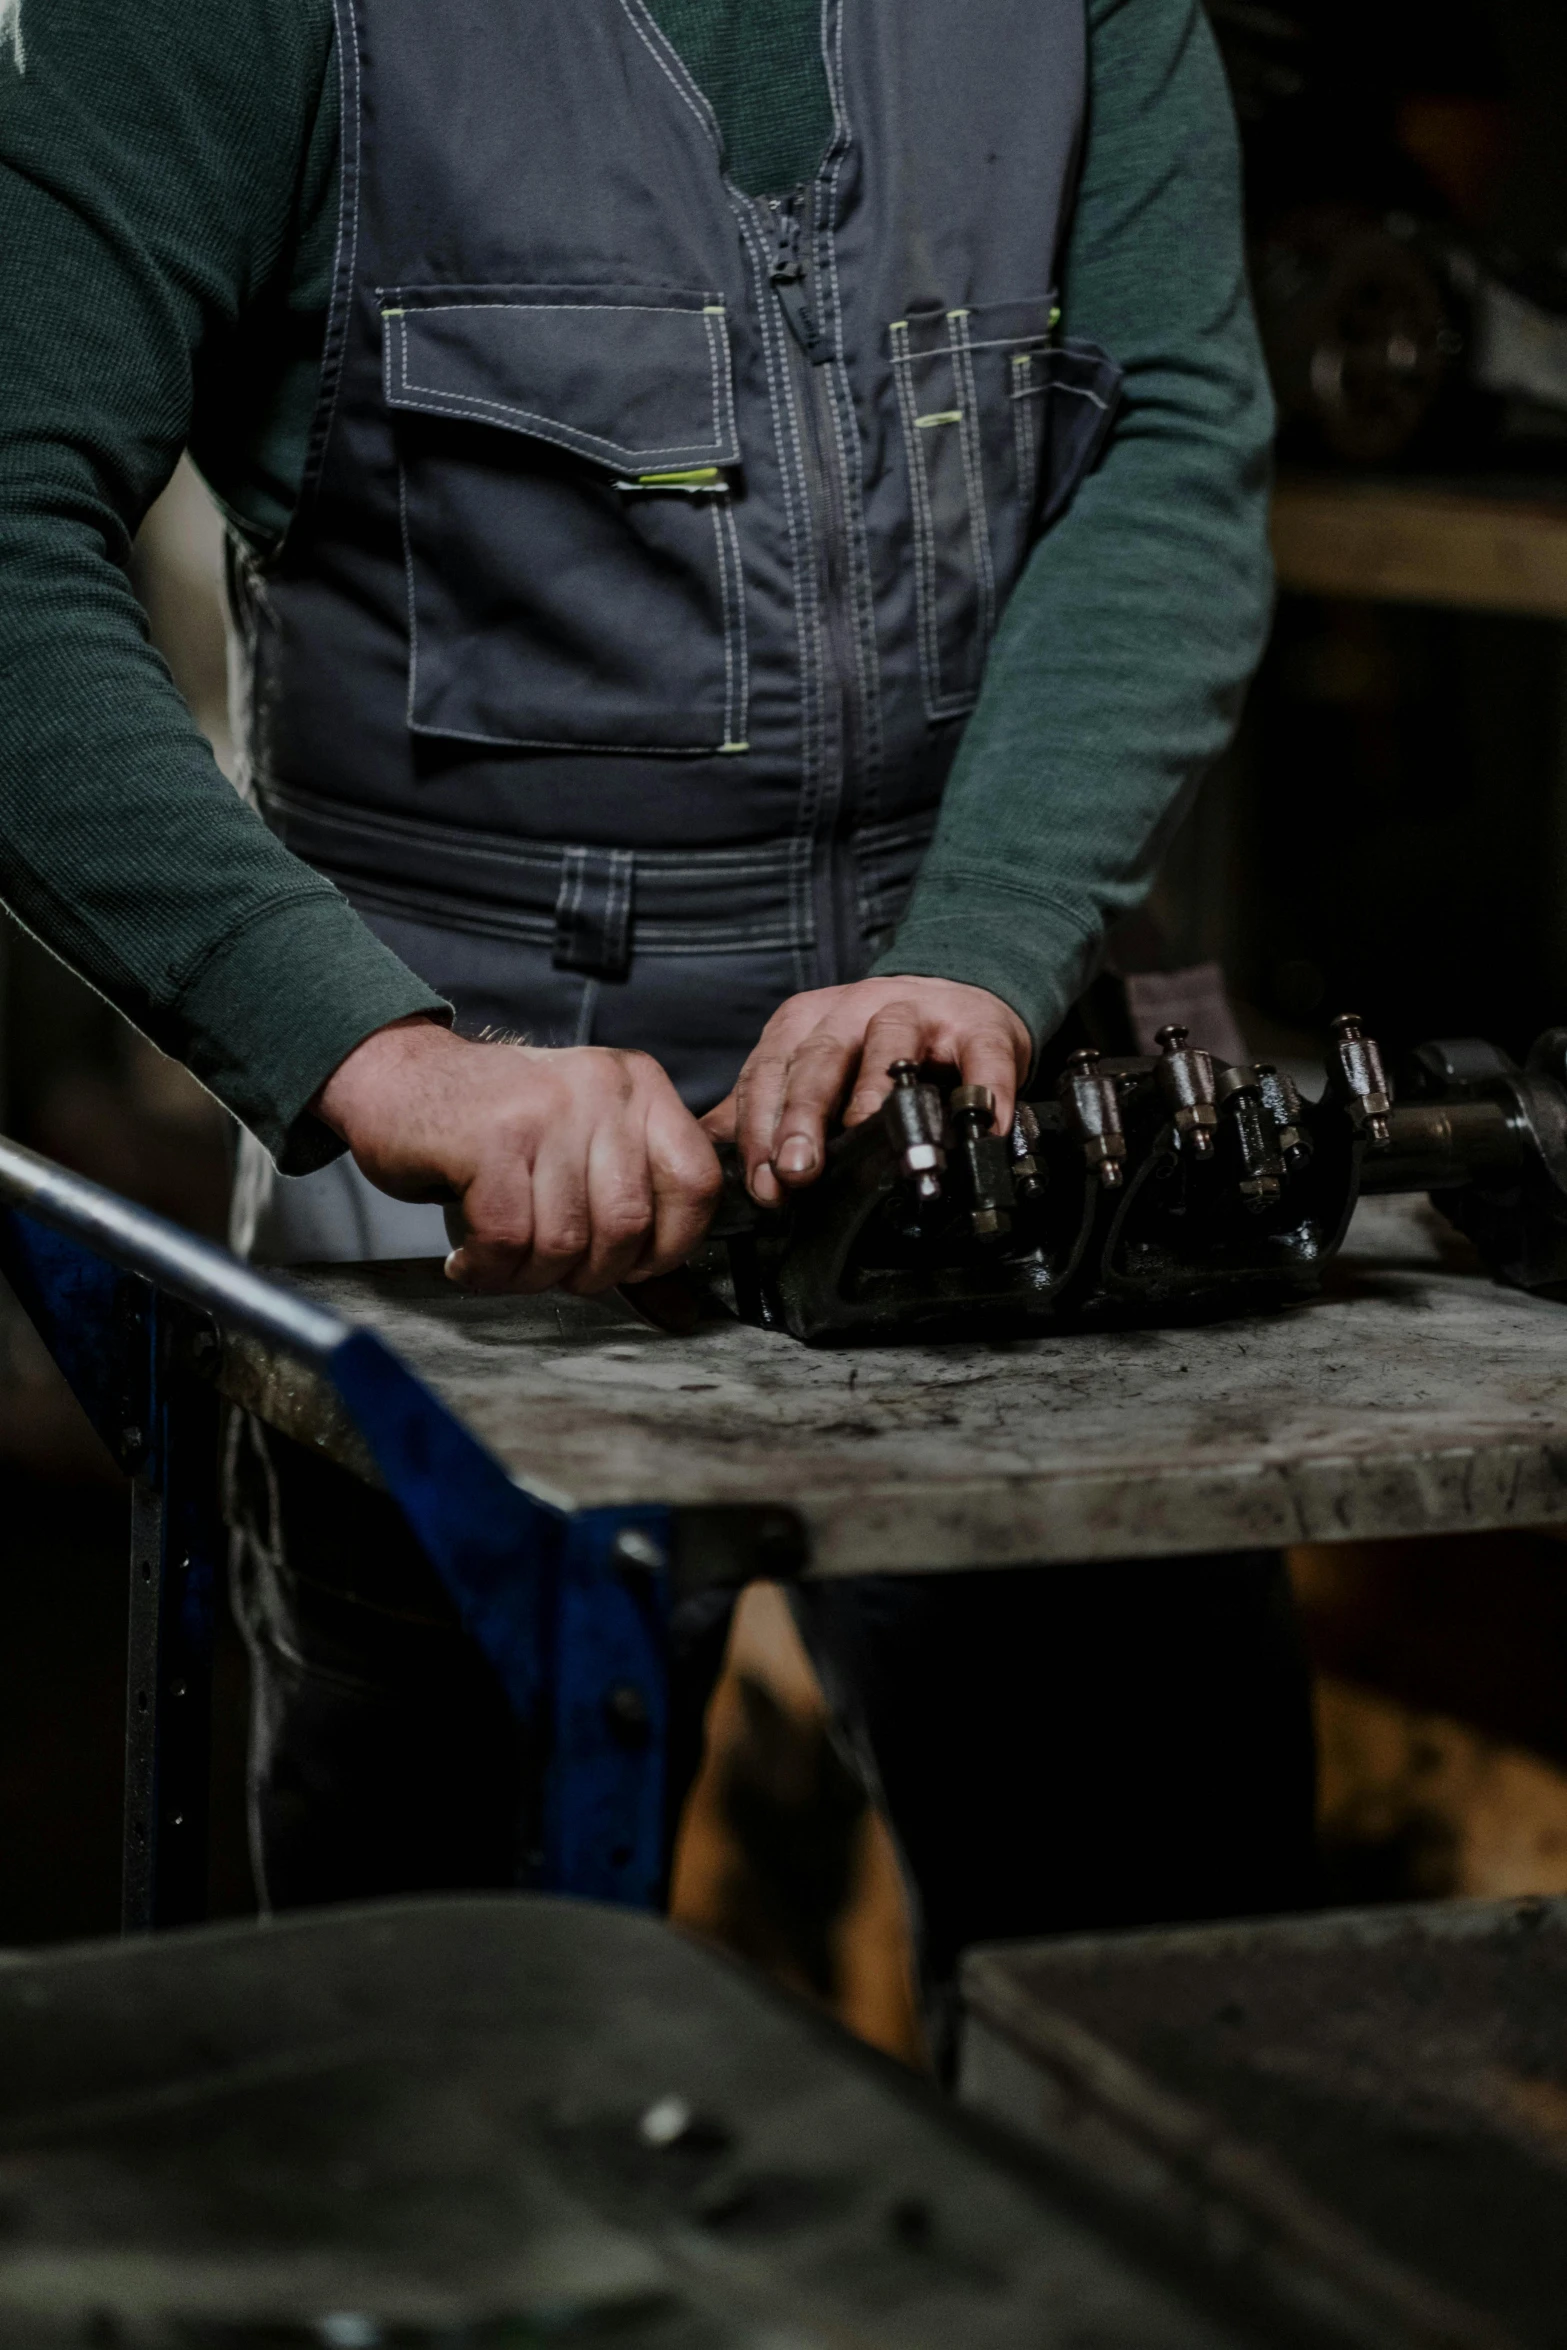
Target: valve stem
x=1360, y=1072
x=913, y=1118
x=1093, y=1108
x=1185, y=1075
x=973, y=1112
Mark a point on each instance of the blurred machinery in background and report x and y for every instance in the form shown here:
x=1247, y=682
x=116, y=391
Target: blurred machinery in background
x=1392, y=825
x=1407, y=190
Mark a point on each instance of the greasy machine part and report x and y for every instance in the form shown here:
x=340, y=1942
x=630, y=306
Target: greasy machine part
x=1147, y=1187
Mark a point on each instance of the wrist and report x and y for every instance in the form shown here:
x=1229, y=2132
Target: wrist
x=385, y=1058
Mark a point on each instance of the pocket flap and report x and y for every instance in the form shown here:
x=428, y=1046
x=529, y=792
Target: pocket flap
x=640, y=382
x=1084, y=384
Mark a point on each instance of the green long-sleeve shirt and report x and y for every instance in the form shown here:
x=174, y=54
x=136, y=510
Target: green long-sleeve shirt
x=168, y=191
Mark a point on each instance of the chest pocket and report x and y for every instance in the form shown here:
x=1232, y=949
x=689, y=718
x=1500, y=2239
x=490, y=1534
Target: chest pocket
x=1000, y=423
x=568, y=468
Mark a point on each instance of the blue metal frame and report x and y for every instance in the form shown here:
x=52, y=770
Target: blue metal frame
x=571, y=1610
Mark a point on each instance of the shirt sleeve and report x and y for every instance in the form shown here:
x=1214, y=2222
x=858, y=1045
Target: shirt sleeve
x=1119, y=668
x=154, y=168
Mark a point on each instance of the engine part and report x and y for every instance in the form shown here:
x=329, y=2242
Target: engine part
x=1150, y=1186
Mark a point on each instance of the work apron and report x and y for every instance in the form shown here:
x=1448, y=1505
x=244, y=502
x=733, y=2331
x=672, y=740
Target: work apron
x=654, y=536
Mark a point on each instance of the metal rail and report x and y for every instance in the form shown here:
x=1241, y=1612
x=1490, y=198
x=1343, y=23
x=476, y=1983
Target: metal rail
x=569, y=1609
x=179, y=1263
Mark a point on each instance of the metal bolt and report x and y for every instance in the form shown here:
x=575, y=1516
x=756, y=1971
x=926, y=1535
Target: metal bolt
x=1360, y=1067
x=666, y=2122
x=635, y=1547
x=1283, y=1100
x=1027, y=1175
x=1186, y=1080
x=1094, y=1108
x=973, y=1112
x=912, y=1117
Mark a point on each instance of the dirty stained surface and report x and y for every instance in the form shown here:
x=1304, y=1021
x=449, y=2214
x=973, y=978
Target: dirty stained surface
x=489, y=2120
x=1405, y=2069
x=1418, y=1396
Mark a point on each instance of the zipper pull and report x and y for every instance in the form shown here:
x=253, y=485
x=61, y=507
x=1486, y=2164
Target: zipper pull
x=787, y=275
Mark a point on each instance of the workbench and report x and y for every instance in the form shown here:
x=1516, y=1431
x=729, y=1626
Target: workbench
x=1417, y=1397
x=570, y=1469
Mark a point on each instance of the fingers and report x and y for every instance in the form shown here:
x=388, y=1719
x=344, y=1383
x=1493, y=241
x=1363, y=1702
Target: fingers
x=619, y=1201
x=994, y=1057
x=686, y=1182
x=583, y=1168
x=495, y=1245
x=721, y=1120
x=818, y=1071
x=757, y=1097
x=588, y=1170
x=845, y=1040
x=527, y=1230
x=896, y=1033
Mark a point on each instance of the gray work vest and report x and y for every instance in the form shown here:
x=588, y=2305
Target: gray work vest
x=654, y=536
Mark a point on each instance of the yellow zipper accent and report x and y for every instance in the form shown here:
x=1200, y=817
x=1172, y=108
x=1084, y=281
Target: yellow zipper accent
x=692, y=479
x=942, y=416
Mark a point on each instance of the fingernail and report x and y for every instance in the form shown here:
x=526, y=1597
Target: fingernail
x=797, y=1157
x=455, y=1270
x=764, y=1185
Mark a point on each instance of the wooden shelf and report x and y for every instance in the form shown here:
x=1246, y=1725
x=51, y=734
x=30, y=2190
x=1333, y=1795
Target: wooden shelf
x=1411, y=543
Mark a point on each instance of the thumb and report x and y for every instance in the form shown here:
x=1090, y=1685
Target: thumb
x=720, y=1121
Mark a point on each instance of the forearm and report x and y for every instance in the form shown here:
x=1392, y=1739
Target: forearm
x=121, y=844
x=128, y=853
x=1120, y=665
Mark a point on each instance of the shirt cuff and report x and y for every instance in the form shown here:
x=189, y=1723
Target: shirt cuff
x=272, y=1011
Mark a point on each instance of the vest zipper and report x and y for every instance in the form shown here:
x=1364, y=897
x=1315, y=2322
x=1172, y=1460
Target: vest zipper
x=810, y=351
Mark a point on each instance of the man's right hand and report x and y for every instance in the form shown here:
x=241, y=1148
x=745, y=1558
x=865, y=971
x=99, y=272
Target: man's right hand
x=574, y=1169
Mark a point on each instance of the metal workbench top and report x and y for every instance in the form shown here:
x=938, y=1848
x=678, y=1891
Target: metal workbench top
x=1416, y=1397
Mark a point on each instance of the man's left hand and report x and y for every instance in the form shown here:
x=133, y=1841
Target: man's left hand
x=835, y=1046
